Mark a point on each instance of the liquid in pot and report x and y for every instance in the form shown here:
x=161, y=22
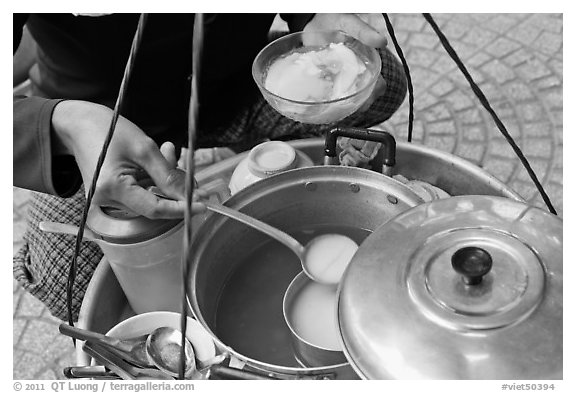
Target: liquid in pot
x=249, y=317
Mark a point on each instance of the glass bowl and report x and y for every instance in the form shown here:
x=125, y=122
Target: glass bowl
x=321, y=111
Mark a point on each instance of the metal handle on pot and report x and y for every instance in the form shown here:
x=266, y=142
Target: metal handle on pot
x=223, y=372
x=386, y=139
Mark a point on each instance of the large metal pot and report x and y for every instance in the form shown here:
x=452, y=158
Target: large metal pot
x=306, y=198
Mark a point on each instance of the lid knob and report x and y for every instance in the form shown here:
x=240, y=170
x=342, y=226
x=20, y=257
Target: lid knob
x=473, y=263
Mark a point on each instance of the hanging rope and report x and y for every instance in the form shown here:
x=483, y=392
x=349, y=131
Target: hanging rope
x=486, y=104
x=408, y=77
x=197, y=42
x=117, y=109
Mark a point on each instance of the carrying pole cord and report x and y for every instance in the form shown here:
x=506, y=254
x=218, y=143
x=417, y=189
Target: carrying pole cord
x=197, y=46
x=406, y=72
x=117, y=109
x=484, y=101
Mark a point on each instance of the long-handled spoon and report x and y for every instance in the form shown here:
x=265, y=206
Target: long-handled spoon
x=132, y=350
x=323, y=259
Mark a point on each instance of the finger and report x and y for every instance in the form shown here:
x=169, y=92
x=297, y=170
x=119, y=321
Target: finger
x=376, y=21
x=168, y=150
x=169, y=179
x=145, y=203
x=183, y=158
x=362, y=31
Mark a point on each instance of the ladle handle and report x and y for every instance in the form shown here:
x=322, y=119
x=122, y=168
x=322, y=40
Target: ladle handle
x=67, y=229
x=87, y=335
x=223, y=372
x=96, y=372
x=269, y=230
x=386, y=139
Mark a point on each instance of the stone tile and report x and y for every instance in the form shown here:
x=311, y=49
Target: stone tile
x=517, y=90
x=549, y=22
x=30, y=306
x=541, y=148
x=526, y=190
x=499, y=71
x=443, y=143
x=519, y=57
x=557, y=176
x=530, y=111
x=537, y=129
x=441, y=128
x=502, y=23
x=454, y=29
x=533, y=69
x=525, y=33
x=556, y=65
x=474, y=132
x=410, y=22
x=548, y=43
x=501, y=169
x=553, y=98
x=444, y=64
x=422, y=57
x=471, y=151
x=47, y=375
x=478, y=36
x=18, y=326
x=36, y=336
x=16, y=301
x=60, y=346
x=442, y=87
x=459, y=100
x=28, y=366
x=501, y=149
x=547, y=83
x=423, y=40
x=470, y=116
x=478, y=59
x=556, y=116
x=501, y=47
x=558, y=158
x=437, y=112
x=540, y=168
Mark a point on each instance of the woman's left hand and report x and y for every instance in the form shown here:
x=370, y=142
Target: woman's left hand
x=369, y=29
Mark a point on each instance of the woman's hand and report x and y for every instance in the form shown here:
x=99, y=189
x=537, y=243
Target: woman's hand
x=371, y=30
x=367, y=28
x=80, y=129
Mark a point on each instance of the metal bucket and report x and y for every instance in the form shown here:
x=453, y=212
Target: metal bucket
x=238, y=276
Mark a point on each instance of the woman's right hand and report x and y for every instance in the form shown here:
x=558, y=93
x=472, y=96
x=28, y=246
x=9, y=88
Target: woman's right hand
x=80, y=128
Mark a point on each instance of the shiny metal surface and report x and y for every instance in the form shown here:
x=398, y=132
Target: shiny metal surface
x=118, y=226
x=405, y=313
x=289, y=200
x=308, y=353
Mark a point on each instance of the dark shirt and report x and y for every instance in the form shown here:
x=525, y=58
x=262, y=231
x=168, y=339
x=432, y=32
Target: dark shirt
x=81, y=57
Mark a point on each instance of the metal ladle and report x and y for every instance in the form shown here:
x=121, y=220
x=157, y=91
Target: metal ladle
x=164, y=346
x=314, y=247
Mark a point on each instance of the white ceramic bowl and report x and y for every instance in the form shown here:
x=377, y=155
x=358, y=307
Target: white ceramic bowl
x=204, y=349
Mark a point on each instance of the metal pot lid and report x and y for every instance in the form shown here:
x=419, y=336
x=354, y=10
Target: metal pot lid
x=468, y=287
x=119, y=226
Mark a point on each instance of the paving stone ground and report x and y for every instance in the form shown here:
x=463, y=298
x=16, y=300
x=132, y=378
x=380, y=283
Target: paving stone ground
x=517, y=61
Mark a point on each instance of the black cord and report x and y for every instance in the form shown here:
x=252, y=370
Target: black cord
x=197, y=46
x=408, y=77
x=117, y=108
x=486, y=104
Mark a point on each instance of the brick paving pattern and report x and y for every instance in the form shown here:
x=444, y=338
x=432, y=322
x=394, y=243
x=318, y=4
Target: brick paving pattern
x=517, y=61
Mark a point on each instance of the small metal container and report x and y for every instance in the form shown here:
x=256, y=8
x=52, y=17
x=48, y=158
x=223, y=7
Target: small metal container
x=145, y=256
x=308, y=352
